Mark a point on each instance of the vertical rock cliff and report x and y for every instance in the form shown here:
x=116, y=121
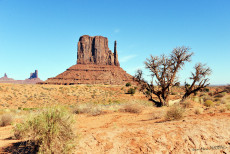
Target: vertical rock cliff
x=96, y=64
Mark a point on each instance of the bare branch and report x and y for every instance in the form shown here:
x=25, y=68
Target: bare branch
x=165, y=68
x=199, y=77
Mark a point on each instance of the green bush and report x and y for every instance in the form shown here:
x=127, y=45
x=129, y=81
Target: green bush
x=51, y=130
x=148, y=93
x=174, y=93
x=205, y=90
x=174, y=113
x=128, y=84
x=131, y=91
x=208, y=103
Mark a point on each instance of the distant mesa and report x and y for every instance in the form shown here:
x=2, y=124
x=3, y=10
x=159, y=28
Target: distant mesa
x=32, y=80
x=5, y=78
x=96, y=64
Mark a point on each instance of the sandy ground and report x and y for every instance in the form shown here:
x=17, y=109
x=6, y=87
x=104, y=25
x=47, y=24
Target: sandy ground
x=140, y=133
x=116, y=132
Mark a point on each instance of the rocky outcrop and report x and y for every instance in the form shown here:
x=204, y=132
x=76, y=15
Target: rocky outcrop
x=5, y=78
x=91, y=74
x=95, y=50
x=34, y=75
x=32, y=80
x=96, y=64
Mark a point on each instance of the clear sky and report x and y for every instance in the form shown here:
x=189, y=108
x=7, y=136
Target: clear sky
x=43, y=34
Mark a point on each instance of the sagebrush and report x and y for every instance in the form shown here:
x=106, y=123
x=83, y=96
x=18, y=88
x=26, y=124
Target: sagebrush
x=51, y=130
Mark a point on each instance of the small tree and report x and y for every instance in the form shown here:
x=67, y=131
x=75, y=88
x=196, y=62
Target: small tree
x=164, y=70
x=199, y=80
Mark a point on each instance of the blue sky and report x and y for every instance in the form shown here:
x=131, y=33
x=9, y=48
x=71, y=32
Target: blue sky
x=43, y=34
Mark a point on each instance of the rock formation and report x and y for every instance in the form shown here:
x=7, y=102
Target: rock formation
x=34, y=75
x=32, y=80
x=96, y=64
x=5, y=78
x=95, y=50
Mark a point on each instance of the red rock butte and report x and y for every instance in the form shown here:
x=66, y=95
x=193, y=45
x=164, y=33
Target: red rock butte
x=96, y=64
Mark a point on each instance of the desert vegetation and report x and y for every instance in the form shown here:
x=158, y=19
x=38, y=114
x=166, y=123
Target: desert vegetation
x=51, y=130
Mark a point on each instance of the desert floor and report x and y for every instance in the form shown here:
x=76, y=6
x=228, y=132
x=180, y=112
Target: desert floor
x=114, y=131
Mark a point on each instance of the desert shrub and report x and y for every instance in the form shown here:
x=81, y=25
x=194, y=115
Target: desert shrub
x=223, y=101
x=210, y=94
x=174, y=113
x=157, y=115
x=217, y=103
x=174, y=93
x=222, y=110
x=206, y=90
x=95, y=111
x=220, y=95
x=90, y=109
x=228, y=106
x=131, y=91
x=217, y=99
x=128, y=84
x=205, y=98
x=196, y=99
x=187, y=104
x=5, y=120
x=131, y=108
x=227, y=89
x=228, y=98
x=198, y=111
x=51, y=130
x=147, y=93
x=208, y=103
x=80, y=109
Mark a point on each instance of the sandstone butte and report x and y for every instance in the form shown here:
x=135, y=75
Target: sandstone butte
x=33, y=79
x=96, y=64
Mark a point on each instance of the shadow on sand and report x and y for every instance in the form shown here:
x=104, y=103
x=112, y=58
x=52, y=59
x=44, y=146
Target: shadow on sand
x=24, y=147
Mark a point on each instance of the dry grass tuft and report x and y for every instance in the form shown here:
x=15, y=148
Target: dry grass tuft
x=228, y=106
x=187, y=104
x=198, y=111
x=174, y=113
x=158, y=115
x=5, y=120
x=132, y=108
x=91, y=109
x=222, y=110
x=208, y=103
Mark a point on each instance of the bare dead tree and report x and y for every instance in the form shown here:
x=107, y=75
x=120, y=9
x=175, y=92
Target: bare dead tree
x=165, y=69
x=139, y=76
x=199, y=80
